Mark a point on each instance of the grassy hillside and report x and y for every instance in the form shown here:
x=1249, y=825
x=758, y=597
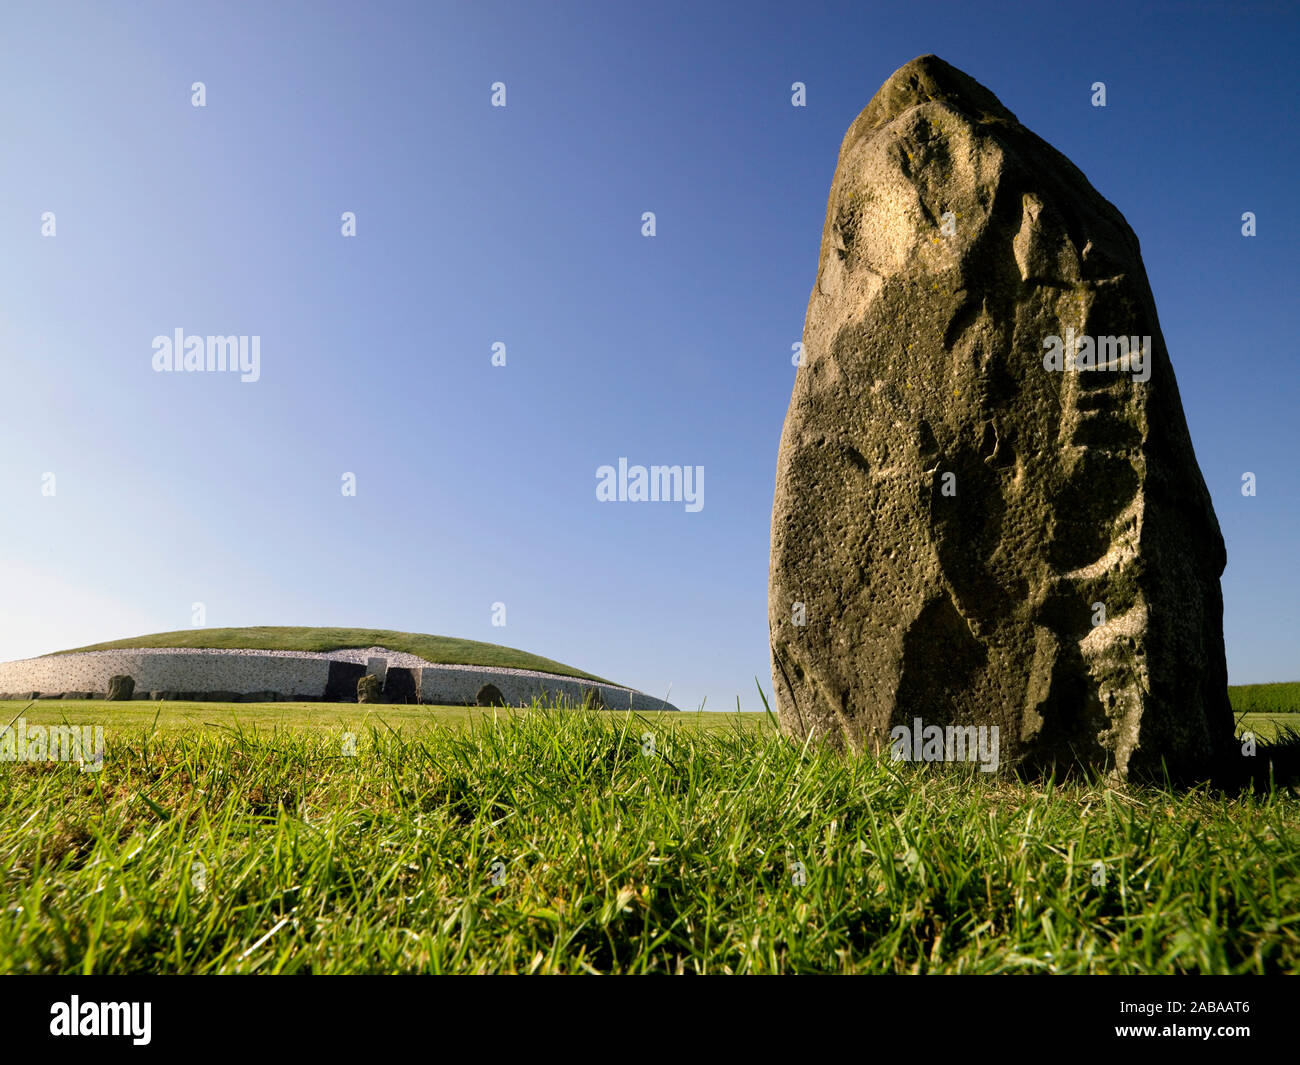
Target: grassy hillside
x=1265, y=698
x=442, y=650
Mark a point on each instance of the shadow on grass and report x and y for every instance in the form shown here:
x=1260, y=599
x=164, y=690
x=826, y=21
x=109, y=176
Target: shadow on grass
x=1247, y=765
x=1275, y=763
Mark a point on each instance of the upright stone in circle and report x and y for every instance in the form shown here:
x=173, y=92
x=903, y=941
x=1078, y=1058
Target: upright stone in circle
x=988, y=510
x=120, y=688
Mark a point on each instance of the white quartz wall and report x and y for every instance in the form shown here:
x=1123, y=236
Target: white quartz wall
x=292, y=674
x=189, y=671
x=460, y=684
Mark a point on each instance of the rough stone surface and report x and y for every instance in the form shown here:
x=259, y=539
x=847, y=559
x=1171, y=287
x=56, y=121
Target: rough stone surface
x=956, y=243
x=369, y=690
x=489, y=695
x=120, y=688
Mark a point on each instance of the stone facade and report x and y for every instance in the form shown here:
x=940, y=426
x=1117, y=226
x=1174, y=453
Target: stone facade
x=264, y=676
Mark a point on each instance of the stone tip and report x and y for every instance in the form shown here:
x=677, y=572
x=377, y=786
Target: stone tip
x=927, y=77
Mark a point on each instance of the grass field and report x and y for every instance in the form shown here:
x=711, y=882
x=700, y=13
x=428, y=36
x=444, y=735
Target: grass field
x=340, y=838
x=439, y=650
x=124, y=717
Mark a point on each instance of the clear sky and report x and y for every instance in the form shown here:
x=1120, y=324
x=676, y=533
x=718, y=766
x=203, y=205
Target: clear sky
x=522, y=225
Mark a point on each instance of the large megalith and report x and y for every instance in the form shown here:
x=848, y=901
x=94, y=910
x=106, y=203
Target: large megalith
x=988, y=510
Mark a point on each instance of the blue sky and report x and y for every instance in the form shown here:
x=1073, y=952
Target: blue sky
x=522, y=225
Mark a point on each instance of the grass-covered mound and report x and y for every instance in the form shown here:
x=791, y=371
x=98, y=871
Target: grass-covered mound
x=616, y=843
x=440, y=650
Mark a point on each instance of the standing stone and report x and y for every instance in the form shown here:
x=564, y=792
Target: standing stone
x=377, y=668
x=965, y=531
x=369, y=689
x=120, y=688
